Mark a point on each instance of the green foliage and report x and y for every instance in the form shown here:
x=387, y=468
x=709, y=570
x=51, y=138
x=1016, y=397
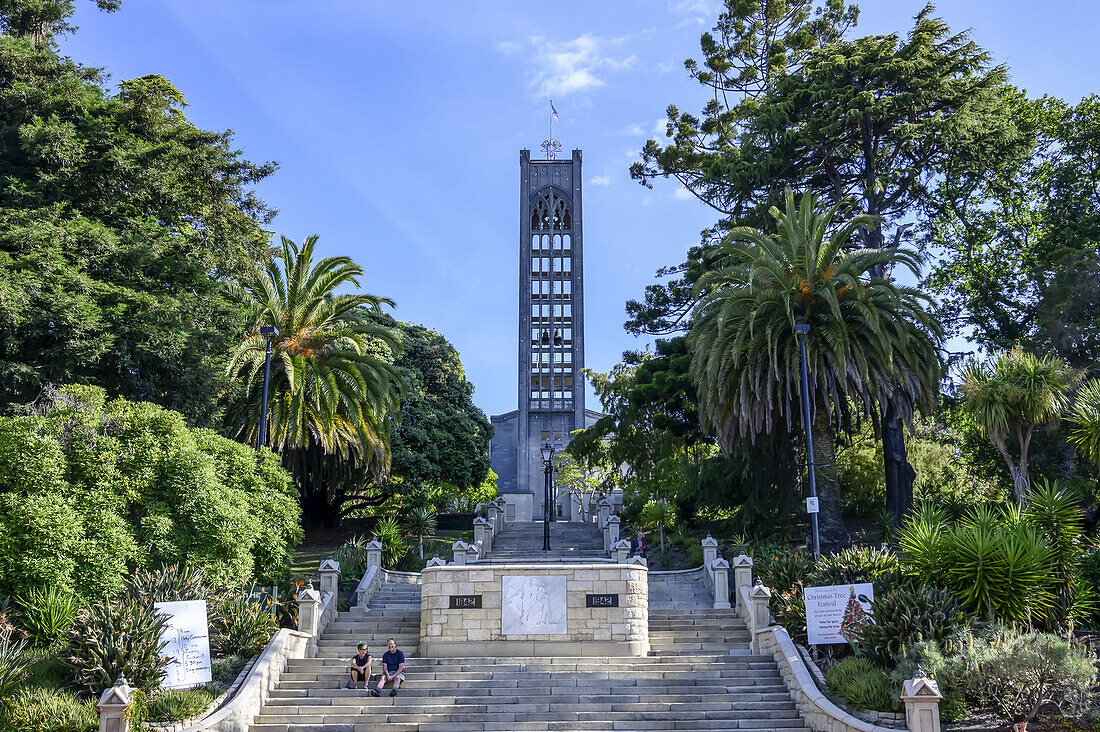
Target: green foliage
x=1012, y=395
x=861, y=684
x=35, y=709
x=167, y=583
x=1086, y=418
x=13, y=665
x=906, y=616
x=996, y=563
x=171, y=705
x=225, y=670
x=45, y=613
x=114, y=638
x=125, y=292
x=869, y=340
x=780, y=569
x=352, y=557
x=1009, y=672
x=122, y=485
x=658, y=515
x=1056, y=516
x=858, y=564
x=332, y=384
x=389, y=533
x=240, y=625
x=420, y=522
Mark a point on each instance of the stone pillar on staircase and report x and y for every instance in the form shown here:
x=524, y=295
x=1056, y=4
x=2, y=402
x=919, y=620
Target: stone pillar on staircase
x=759, y=613
x=494, y=517
x=742, y=576
x=501, y=504
x=114, y=707
x=605, y=511
x=483, y=533
x=721, y=583
x=459, y=549
x=437, y=562
x=622, y=551
x=921, y=696
x=309, y=616
x=330, y=575
x=710, y=551
x=613, y=523
x=374, y=553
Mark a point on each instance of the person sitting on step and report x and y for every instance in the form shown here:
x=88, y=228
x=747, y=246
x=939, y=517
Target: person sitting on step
x=360, y=667
x=637, y=547
x=393, y=669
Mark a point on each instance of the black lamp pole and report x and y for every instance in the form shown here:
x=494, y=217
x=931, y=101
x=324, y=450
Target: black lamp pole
x=261, y=438
x=802, y=329
x=548, y=467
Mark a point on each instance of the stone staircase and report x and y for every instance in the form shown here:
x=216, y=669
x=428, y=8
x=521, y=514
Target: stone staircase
x=570, y=541
x=678, y=591
x=699, y=674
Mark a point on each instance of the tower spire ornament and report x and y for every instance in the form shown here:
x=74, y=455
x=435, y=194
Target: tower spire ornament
x=551, y=147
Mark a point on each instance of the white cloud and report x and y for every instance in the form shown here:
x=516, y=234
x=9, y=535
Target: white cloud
x=666, y=68
x=600, y=180
x=560, y=68
x=660, y=128
x=634, y=130
x=682, y=194
x=697, y=12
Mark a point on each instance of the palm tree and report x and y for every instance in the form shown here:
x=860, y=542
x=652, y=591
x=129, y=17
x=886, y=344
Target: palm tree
x=871, y=344
x=1086, y=415
x=1012, y=395
x=420, y=521
x=658, y=515
x=332, y=386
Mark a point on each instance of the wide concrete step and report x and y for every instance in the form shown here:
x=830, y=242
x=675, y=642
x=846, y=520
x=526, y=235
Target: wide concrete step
x=380, y=725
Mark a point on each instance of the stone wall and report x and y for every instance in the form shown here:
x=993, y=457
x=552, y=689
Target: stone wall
x=534, y=602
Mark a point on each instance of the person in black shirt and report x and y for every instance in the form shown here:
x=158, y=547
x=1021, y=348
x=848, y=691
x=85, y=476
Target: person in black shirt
x=360, y=667
x=393, y=669
x=637, y=547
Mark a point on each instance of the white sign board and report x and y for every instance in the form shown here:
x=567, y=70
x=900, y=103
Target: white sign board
x=827, y=606
x=811, y=504
x=188, y=638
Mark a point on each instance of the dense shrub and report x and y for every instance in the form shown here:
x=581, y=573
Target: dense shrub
x=781, y=569
x=116, y=637
x=389, y=533
x=90, y=488
x=45, y=613
x=13, y=665
x=225, y=670
x=997, y=564
x=172, y=705
x=858, y=564
x=1007, y=671
x=352, y=556
x=861, y=684
x=34, y=709
x=240, y=624
x=904, y=617
x=167, y=583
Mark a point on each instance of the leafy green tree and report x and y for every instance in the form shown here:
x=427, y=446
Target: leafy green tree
x=119, y=291
x=333, y=385
x=1019, y=262
x=871, y=341
x=866, y=123
x=1011, y=396
x=91, y=489
x=40, y=20
x=658, y=515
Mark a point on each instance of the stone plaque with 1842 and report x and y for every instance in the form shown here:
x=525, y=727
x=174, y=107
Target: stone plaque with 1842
x=465, y=602
x=601, y=600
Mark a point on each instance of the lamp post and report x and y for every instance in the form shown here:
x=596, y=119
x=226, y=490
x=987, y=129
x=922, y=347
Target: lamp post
x=801, y=330
x=547, y=469
x=261, y=438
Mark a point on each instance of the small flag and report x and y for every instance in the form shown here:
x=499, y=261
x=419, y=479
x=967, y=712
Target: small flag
x=553, y=112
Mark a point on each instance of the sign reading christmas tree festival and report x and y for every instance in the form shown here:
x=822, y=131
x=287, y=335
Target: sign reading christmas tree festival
x=188, y=637
x=834, y=613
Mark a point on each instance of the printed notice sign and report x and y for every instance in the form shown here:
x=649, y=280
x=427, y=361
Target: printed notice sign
x=187, y=635
x=833, y=612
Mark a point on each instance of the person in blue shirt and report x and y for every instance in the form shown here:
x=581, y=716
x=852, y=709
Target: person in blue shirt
x=393, y=669
x=360, y=667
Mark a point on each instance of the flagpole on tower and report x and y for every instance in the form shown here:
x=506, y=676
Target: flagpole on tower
x=551, y=146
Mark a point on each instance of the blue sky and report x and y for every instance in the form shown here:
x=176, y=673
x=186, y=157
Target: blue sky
x=397, y=127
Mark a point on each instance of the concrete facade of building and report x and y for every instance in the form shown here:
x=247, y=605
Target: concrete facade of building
x=551, y=333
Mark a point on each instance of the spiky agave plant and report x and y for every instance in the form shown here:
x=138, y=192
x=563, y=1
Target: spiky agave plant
x=116, y=637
